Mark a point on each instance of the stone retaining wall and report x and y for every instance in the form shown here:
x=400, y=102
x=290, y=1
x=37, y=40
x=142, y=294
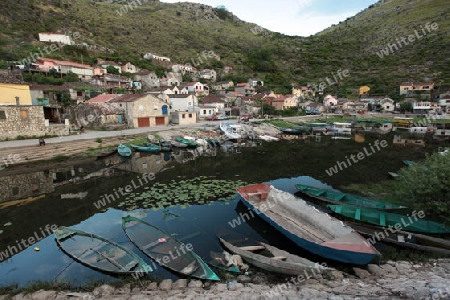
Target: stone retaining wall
x=22, y=120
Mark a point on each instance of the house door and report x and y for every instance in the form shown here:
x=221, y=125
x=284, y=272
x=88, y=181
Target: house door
x=120, y=119
x=160, y=121
x=144, y=122
x=165, y=110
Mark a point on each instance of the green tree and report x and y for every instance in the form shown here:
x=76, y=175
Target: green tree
x=426, y=185
x=187, y=77
x=71, y=77
x=405, y=106
x=112, y=70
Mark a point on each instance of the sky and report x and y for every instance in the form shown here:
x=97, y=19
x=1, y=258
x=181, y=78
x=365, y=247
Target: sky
x=291, y=17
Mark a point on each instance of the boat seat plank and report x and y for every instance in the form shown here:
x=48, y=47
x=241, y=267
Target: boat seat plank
x=358, y=214
x=279, y=257
x=252, y=248
x=338, y=209
x=153, y=244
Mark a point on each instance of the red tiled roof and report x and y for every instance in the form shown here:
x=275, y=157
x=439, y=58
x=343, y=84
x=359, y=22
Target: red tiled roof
x=102, y=98
x=127, y=98
x=241, y=84
x=65, y=63
x=190, y=83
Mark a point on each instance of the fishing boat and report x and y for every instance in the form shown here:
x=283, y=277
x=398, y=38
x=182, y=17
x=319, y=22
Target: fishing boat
x=165, y=249
x=177, y=144
x=161, y=148
x=165, y=143
x=277, y=260
x=124, y=150
x=152, y=148
x=189, y=143
x=337, y=197
x=213, y=142
x=306, y=226
x=401, y=238
x=98, y=252
x=231, y=131
x=189, y=232
x=412, y=223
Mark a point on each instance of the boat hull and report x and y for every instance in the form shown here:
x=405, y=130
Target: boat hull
x=147, y=149
x=165, y=249
x=124, y=150
x=349, y=247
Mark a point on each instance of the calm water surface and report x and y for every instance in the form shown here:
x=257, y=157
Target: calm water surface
x=51, y=264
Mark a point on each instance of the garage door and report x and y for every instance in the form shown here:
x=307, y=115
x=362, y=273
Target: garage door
x=160, y=121
x=144, y=122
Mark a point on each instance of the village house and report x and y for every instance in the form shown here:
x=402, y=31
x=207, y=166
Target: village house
x=244, y=88
x=183, y=69
x=55, y=38
x=156, y=57
x=110, y=114
x=387, y=104
x=354, y=107
x=444, y=102
x=18, y=115
x=128, y=68
x=198, y=88
x=277, y=102
x=183, y=118
x=142, y=110
x=218, y=102
x=302, y=91
x=183, y=102
x=254, y=82
x=409, y=88
x=227, y=69
x=330, y=101
x=364, y=90
x=205, y=111
x=111, y=81
x=208, y=74
x=147, y=78
x=169, y=81
x=425, y=107
x=84, y=72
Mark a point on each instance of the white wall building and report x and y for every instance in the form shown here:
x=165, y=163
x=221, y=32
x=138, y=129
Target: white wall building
x=55, y=38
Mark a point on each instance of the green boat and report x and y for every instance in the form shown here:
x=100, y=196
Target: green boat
x=161, y=147
x=165, y=249
x=98, y=252
x=148, y=149
x=391, y=220
x=187, y=142
x=213, y=142
x=345, y=198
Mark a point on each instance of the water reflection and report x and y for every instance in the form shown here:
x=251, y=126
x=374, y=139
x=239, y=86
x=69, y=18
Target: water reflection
x=198, y=226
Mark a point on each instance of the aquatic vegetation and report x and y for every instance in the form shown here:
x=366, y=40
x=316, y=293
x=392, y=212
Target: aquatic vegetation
x=185, y=192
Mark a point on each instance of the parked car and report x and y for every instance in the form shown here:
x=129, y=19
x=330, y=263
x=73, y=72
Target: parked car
x=212, y=118
x=223, y=117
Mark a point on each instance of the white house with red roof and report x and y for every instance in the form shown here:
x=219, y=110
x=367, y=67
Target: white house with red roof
x=198, y=88
x=62, y=66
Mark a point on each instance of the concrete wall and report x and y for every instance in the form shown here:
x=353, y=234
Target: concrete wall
x=30, y=123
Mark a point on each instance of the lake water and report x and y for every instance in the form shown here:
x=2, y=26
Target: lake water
x=51, y=264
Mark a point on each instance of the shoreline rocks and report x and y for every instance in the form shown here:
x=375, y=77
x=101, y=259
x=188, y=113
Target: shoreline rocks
x=393, y=280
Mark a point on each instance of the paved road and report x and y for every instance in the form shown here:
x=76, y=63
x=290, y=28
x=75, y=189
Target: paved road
x=103, y=134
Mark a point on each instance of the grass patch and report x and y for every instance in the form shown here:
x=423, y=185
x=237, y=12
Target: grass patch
x=60, y=158
x=280, y=123
x=138, y=141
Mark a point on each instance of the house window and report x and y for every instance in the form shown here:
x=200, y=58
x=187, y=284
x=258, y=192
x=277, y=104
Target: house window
x=2, y=115
x=388, y=107
x=204, y=111
x=23, y=114
x=183, y=116
x=190, y=116
x=79, y=94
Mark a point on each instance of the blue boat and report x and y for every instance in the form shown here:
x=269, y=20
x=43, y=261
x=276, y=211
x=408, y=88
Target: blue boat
x=309, y=228
x=124, y=150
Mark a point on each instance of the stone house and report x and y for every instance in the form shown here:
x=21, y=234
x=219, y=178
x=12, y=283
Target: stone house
x=128, y=68
x=142, y=110
x=244, y=88
x=147, y=78
x=387, y=104
x=21, y=120
x=108, y=63
x=183, y=118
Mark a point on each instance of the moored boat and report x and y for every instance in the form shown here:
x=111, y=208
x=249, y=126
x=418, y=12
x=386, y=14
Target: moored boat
x=306, y=226
x=150, y=148
x=413, y=223
x=124, y=150
x=337, y=197
x=401, y=238
x=231, y=131
x=161, y=148
x=279, y=261
x=189, y=143
x=296, y=129
x=165, y=249
x=213, y=142
x=98, y=252
x=177, y=144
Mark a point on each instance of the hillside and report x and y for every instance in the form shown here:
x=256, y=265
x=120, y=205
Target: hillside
x=182, y=31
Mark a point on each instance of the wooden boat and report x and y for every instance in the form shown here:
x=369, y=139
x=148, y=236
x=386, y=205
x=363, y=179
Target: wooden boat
x=385, y=219
x=165, y=249
x=306, y=226
x=123, y=150
x=192, y=231
x=98, y=252
x=345, y=198
x=177, y=144
x=401, y=238
x=279, y=261
x=149, y=149
x=189, y=143
x=161, y=148
x=164, y=143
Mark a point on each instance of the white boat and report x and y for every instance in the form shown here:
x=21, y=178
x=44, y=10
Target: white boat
x=268, y=138
x=342, y=128
x=231, y=131
x=201, y=142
